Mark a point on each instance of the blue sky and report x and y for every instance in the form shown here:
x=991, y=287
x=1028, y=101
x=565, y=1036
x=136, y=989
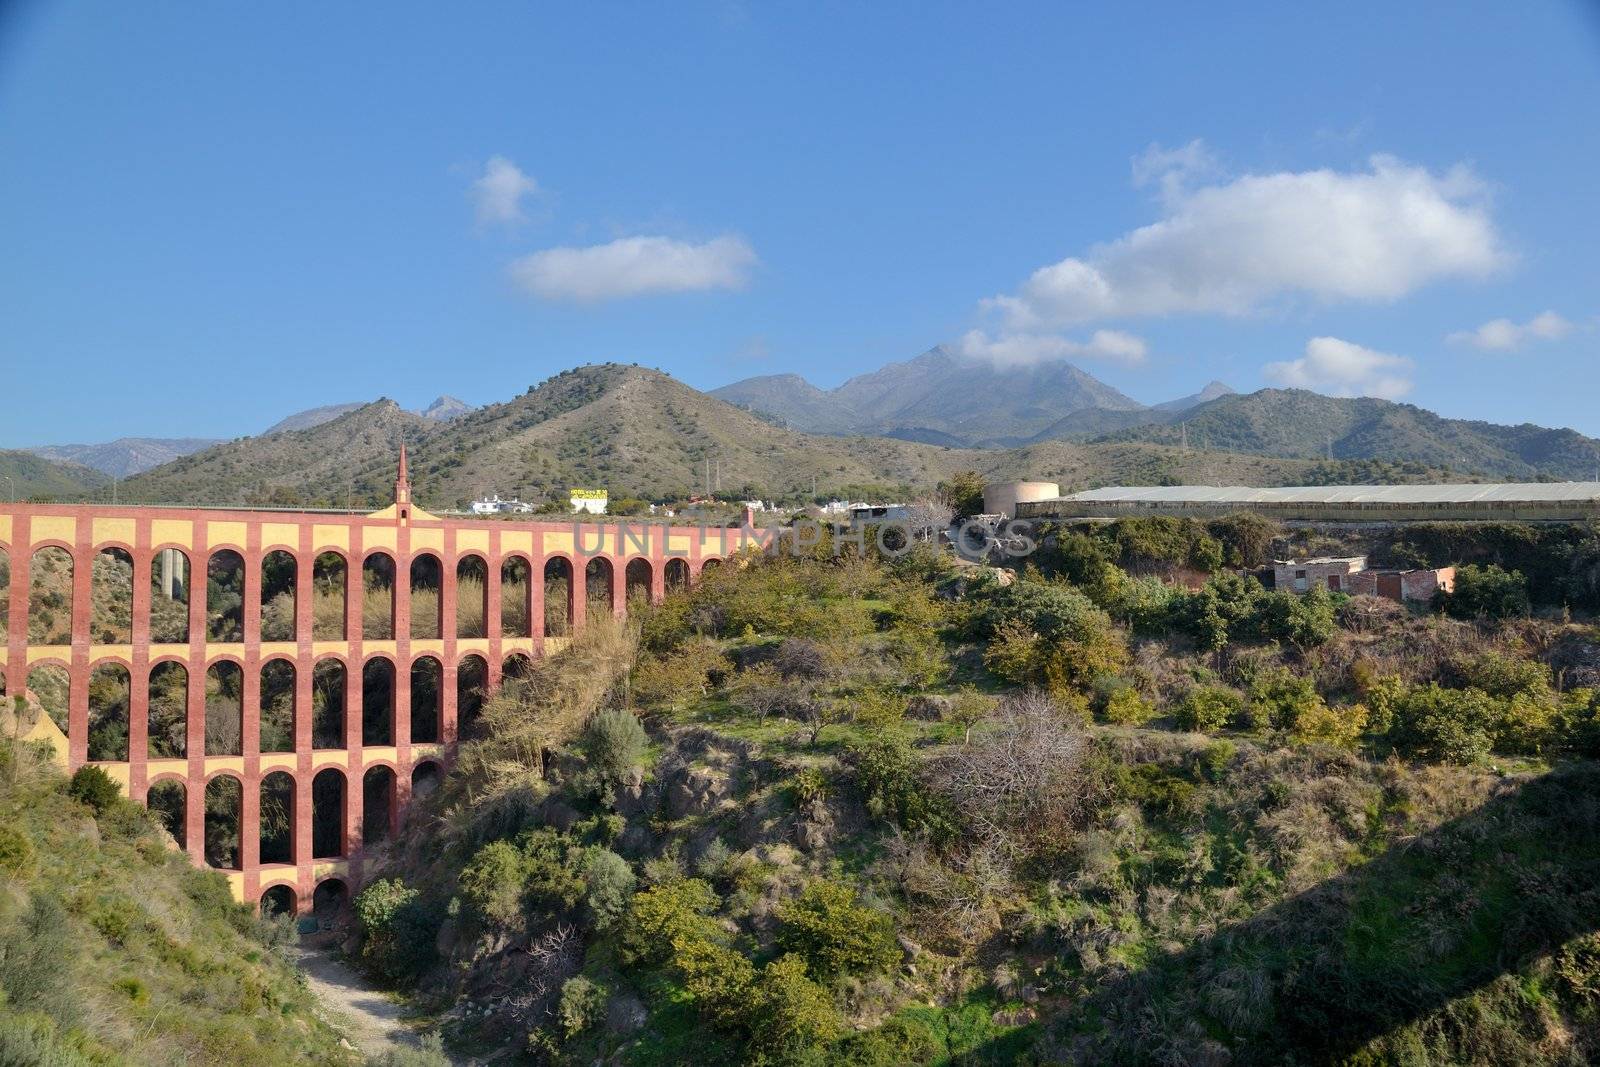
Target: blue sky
x=213, y=215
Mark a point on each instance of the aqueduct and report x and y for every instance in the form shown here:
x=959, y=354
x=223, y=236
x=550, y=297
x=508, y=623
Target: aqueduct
x=278, y=685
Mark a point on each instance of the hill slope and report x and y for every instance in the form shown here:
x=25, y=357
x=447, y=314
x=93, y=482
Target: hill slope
x=26, y=476
x=114, y=948
x=1297, y=423
x=635, y=432
x=126, y=455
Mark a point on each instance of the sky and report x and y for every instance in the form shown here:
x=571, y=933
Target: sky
x=214, y=215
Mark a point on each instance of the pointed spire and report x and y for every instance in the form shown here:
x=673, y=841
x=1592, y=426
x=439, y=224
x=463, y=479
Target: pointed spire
x=402, y=483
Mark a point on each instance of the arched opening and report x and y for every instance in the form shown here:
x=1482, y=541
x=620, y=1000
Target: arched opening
x=327, y=704
x=167, y=721
x=377, y=804
x=328, y=583
x=377, y=597
x=225, y=709
x=2, y=681
x=278, y=572
x=224, y=807
x=168, y=800
x=225, y=596
x=279, y=900
x=597, y=578
x=472, y=597
x=637, y=576
x=50, y=597
x=277, y=705
x=277, y=818
x=426, y=578
x=111, y=598
x=327, y=814
x=51, y=686
x=5, y=591
x=557, y=597
x=515, y=666
x=426, y=676
x=676, y=575
x=472, y=683
x=110, y=696
x=169, y=597
x=710, y=565
x=516, y=598
x=377, y=702
x=328, y=899
x=425, y=779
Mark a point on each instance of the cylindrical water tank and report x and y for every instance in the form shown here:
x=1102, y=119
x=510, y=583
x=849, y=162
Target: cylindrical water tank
x=1002, y=498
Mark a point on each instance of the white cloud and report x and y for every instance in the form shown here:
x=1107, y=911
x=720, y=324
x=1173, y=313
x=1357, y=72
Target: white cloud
x=1503, y=335
x=498, y=193
x=1340, y=368
x=634, y=266
x=1228, y=247
x=1016, y=348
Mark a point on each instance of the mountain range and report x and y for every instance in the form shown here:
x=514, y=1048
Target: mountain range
x=897, y=431
x=635, y=432
x=127, y=456
x=949, y=399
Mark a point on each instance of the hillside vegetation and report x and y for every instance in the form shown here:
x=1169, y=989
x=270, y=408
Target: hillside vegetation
x=636, y=432
x=115, y=949
x=25, y=476
x=842, y=809
x=1296, y=423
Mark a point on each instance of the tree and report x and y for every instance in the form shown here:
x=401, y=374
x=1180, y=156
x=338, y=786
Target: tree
x=834, y=934
x=963, y=494
x=1489, y=592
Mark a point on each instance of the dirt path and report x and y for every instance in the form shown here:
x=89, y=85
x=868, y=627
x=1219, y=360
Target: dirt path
x=369, y=1019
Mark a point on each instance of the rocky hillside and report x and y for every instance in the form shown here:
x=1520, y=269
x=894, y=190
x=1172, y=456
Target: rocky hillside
x=126, y=455
x=26, y=476
x=1296, y=423
x=115, y=949
x=635, y=432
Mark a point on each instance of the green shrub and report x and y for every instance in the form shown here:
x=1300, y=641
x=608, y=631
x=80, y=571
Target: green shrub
x=1487, y=591
x=38, y=958
x=888, y=775
x=613, y=743
x=1208, y=708
x=672, y=911
x=93, y=786
x=1319, y=724
x=1126, y=707
x=897, y=1042
x=792, y=1017
x=492, y=884
x=1279, y=698
x=1445, y=725
x=398, y=930
x=836, y=935
x=16, y=852
x=582, y=1005
x=609, y=887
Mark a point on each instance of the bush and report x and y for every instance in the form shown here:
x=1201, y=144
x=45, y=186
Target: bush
x=1126, y=707
x=492, y=884
x=613, y=743
x=1446, y=725
x=663, y=914
x=610, y=887
x=888, y=775
x=582, y=1005
x=792, y=1015
x=1320, y=724
x=94, y=787
x=834, y=934
x=1278, y=699
x=398, y=930
x=17, y=857
x=1210, y=707
x=1488, y=592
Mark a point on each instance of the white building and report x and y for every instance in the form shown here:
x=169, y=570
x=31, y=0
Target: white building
x=589, y=501
x=493, y=505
